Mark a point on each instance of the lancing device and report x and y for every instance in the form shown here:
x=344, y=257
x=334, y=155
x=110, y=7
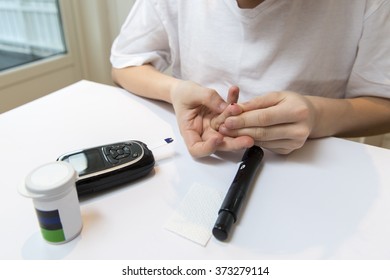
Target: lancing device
x=234, y=199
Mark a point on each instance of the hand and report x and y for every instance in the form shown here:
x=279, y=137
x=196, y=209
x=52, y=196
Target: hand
x=279, y=121
x=195, y=107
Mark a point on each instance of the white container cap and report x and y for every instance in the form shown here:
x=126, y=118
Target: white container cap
x=49, y=181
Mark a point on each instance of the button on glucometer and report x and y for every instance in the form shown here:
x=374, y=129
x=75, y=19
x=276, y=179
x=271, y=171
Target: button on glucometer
x=113, y=153
x=112, y=160
x=121, y=156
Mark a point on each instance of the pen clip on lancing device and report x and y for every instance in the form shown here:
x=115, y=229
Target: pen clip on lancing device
x=234, y=199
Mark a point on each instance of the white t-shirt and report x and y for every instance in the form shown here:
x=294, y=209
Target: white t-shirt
x=331, y=48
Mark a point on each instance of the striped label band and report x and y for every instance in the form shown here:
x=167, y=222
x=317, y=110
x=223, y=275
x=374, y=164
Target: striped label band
x=51, y=226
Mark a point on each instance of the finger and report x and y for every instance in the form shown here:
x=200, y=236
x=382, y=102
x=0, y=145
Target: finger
x=233, y=94
x=232, y=110
x=199, y=147
x=273, y=139
x=280, y=151
x=271, y=133
x=261, y=117
x=283, y=146
x=263, y=101
x=235, y=144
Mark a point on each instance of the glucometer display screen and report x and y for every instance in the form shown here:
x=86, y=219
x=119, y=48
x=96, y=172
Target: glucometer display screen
x=87, y=162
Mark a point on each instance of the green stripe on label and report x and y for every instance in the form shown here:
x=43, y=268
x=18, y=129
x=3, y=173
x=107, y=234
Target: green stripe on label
x=53, y=235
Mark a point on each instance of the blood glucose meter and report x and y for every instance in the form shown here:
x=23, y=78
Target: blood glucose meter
x=103, y=167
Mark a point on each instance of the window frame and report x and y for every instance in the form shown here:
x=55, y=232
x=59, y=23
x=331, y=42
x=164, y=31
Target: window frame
x=56, y=63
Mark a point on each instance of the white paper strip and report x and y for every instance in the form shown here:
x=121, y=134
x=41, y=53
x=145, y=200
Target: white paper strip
x=195, y=217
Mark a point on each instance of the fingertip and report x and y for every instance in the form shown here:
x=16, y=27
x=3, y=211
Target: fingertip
x=249, y=142
x=241, y=107
x=245, y=142
x=235, y=109
x=233, y=94
x=229, y=124
x=222, y=128
x=234, y=91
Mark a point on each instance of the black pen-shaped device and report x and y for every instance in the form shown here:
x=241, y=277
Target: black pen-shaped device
x=234, y=199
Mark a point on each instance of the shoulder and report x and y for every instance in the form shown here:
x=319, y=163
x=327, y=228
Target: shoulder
x=376, y=6
x=164, y=6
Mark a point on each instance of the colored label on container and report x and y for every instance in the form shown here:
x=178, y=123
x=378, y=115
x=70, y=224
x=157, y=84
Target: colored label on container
x=51, y=226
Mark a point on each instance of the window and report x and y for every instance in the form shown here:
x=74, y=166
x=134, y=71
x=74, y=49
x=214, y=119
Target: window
x=30, y=30
x=36, y=30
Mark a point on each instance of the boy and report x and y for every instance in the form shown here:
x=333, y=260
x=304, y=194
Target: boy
x=305, y=69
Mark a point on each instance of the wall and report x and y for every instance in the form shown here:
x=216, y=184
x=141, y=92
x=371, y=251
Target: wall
x=118, y=11
x=99, y=22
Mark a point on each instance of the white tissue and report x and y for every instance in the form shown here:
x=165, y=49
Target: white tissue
x=195, y=217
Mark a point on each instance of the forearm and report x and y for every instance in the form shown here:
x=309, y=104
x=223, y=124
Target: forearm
x=145, y=81
x=362, y=116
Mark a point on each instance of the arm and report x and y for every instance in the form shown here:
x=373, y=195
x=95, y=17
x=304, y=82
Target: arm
x=137, y=80
x=354, y=117
x=283, y=121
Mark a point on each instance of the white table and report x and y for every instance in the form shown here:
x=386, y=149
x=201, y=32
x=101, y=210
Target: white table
x=329, y=200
